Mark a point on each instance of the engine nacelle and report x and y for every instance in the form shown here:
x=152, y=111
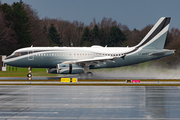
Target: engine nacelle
x=69, y=69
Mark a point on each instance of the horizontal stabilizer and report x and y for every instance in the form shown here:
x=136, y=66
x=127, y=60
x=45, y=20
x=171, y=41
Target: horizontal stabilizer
x=161, y=53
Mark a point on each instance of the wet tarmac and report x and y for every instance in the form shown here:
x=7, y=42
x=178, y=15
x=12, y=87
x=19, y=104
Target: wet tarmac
x=89, y=102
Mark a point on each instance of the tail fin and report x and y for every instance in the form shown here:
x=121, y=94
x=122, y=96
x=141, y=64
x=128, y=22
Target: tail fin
x=155, y=39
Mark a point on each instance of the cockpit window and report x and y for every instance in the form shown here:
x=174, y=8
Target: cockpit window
x=17, y=54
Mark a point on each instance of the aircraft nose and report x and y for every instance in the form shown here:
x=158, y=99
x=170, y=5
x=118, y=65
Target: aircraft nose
x=5, y=61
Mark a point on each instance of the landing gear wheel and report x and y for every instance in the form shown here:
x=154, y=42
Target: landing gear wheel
x=82, y=75
x=89, y=74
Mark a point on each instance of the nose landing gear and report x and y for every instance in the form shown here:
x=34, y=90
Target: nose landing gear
x=29, y=75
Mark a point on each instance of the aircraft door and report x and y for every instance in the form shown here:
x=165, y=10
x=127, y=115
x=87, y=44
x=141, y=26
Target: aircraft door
x=31, y=56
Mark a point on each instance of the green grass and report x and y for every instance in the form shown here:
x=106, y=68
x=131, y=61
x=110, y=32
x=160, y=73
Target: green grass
x=22, y=72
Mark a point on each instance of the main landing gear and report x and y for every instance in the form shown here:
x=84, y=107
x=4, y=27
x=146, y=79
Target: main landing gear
x=88, y=74
x=29, y=75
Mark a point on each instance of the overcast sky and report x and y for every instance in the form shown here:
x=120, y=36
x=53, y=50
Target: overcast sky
x=133, y=13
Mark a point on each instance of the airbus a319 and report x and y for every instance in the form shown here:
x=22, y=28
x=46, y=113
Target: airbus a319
x=79, y=60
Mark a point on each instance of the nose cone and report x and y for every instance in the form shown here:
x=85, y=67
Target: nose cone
x=8, y=61
x=5, y=61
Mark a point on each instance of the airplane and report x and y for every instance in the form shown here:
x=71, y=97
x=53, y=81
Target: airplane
x=79, y=60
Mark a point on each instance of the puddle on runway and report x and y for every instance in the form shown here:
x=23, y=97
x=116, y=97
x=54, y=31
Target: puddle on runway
x=89, y=102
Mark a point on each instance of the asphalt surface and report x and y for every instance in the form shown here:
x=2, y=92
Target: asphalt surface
x=85, y=81
x=89, y=102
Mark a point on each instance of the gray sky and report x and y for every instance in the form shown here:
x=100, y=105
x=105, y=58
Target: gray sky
x=133, y=13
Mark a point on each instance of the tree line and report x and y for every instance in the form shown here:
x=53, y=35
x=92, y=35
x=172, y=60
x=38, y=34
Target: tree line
x=21, y=27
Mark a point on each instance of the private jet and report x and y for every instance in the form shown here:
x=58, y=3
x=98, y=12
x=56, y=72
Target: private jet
x=79, y=60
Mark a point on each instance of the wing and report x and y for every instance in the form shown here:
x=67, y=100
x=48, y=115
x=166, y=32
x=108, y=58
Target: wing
x=95, y=60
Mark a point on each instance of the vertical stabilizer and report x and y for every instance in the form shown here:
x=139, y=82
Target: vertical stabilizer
x=155, y=39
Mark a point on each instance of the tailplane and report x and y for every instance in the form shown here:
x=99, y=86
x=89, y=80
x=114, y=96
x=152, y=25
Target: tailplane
x=155, y=39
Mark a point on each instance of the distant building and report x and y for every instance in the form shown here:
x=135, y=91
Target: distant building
x=2, y=65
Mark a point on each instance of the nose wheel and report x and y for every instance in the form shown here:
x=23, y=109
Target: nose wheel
x=29, y=75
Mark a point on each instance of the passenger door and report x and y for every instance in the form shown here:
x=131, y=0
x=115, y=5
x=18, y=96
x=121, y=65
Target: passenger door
x=30, y=55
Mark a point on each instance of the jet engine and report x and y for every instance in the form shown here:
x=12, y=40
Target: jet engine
x=69, y=69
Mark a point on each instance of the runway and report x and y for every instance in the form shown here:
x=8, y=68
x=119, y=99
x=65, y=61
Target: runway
x=89, y=102
x=87, y=82
x=89, y=99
